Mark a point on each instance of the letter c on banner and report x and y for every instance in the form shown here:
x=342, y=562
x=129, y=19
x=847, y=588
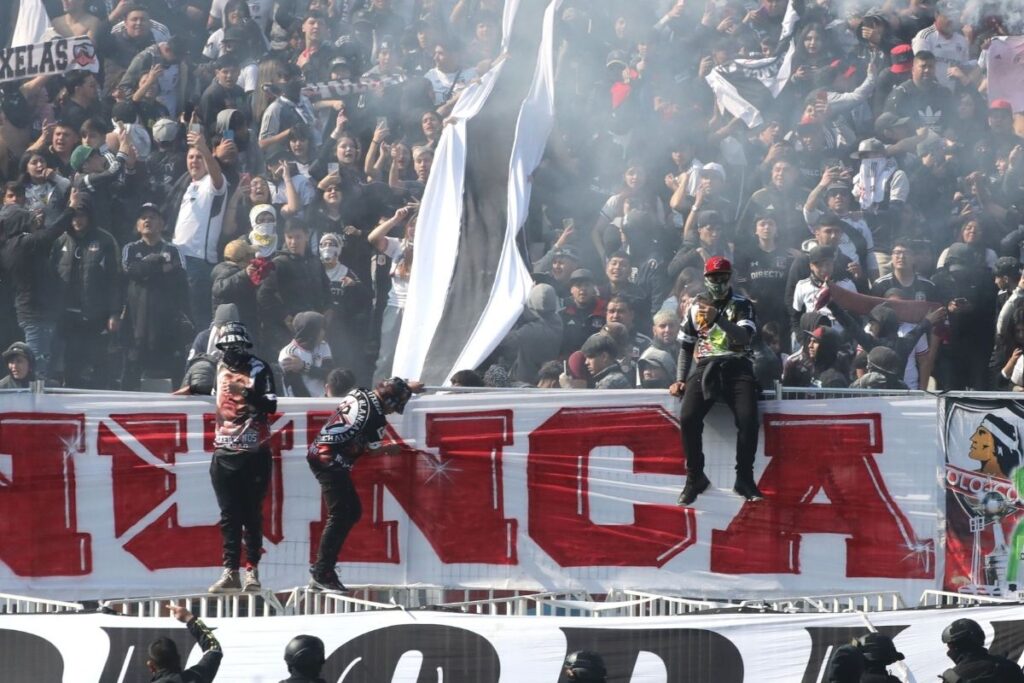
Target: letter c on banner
x=558, y=477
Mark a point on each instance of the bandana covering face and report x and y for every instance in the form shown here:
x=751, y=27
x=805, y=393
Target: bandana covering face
x=330, y=247
x=874, y=173
x=264, y=238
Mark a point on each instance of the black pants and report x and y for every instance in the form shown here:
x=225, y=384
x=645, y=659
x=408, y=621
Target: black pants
x=240, y=481
x=343, y=511
x=740, y=394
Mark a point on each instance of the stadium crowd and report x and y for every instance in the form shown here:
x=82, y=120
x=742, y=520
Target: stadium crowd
x=261, y=161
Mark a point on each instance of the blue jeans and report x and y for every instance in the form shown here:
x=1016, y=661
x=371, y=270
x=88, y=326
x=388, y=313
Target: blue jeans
x=39, y=336
x=200, y=284
x=390, y=326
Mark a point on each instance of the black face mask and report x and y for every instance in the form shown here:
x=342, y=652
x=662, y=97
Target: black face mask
x=236, y=356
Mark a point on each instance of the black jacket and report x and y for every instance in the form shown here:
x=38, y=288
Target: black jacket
x=206, y=670
x=89, y=266
x=231, y=285
x=297, y=283
x=25, y=258
x=157, y=298
x=982, y=667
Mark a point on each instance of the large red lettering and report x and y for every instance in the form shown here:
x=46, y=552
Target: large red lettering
x=143, y=448
x=38, y=515
x=455, y=498
x=836, y=455
x=557, y=476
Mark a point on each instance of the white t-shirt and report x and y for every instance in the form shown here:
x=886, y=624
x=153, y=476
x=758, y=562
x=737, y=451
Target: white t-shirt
x=805, y=298
x=952, y=51
x=445, y=86
x=200, y=219
x=399, y=285
x=310, y=359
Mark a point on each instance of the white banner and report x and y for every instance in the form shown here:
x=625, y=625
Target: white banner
x=110, y=497
x=402, y=647
x=51, y=57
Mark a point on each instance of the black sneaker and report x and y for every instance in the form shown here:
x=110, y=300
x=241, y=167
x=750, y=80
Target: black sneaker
x=326, y=581
x=696, y=484
x=746, y=487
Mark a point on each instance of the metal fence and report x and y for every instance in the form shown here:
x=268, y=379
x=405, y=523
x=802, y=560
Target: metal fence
x=617, y=603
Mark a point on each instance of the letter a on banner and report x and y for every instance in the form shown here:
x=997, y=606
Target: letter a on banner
x=834, y=455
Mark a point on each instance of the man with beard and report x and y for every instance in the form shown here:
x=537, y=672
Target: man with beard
x=357, y=427
x=240, y=468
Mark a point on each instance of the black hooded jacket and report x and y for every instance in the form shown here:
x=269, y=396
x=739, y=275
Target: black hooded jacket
x=25, y=259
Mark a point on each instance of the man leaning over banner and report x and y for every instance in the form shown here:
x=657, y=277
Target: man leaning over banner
x=356, y=428
x=718, y=329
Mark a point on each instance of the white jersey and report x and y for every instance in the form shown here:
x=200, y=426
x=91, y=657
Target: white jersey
x=310, y=359
x=951, y=51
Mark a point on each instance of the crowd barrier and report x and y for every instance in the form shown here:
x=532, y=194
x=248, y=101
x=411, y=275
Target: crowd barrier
x=107, y=496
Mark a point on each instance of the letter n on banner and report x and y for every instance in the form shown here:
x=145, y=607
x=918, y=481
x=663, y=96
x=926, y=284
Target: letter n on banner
x=38, y=513
x=456, y=498
x=835, y=455
x=558, y=479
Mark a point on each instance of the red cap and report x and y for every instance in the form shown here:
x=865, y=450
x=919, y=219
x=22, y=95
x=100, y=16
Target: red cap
x=902, y=58
x=717, y=264
x=1001, y=104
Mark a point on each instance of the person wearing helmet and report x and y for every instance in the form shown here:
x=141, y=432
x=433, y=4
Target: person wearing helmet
x=304, y=656
x=164, y=660
x=879, y=652
x=240, y=469
x=583, y=666
x=965, y=645
x=356, y=428
x=717, y=332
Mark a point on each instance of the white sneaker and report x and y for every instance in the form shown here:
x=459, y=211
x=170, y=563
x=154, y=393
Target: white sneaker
x=251, y=580
x=227, y=583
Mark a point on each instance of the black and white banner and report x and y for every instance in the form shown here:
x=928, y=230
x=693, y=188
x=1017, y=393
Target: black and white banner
x=469, y=282
x=50, y=57
x=745, y=87
x=428, y=647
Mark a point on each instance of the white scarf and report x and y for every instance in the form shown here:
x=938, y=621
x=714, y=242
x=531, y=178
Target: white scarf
x=874, y=174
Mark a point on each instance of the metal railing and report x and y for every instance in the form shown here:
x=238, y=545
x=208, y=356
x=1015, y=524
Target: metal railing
x=616, y=603
x=20, y=604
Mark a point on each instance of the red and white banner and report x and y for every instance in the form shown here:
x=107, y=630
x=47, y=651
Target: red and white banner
x=401, y=648
x=110, y=496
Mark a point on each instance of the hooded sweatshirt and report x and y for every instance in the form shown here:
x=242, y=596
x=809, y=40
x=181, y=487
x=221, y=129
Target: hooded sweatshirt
x=537, y=336
x=315, y=355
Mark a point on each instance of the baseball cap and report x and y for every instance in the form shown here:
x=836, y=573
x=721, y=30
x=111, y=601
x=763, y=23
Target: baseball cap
x=597, y=344
x=149, y=206
x=713, y=168
x=617, y=57
x=81, y=155
x=165, y=130
x=19, y=349
x=233, y=34
x=709, y=217
x=837, y=187
x=902, y=58
x=581, y=275
x=1001, y=104
x=565, y=252
x=890, y=120
x=958, y=256
x=820, y=253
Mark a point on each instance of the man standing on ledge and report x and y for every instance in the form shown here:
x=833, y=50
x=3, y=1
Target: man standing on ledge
x=356, y=428
x=718, y=329
x=240, y=468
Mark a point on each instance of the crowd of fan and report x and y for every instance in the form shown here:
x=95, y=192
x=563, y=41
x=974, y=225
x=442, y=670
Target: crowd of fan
x=262, y=161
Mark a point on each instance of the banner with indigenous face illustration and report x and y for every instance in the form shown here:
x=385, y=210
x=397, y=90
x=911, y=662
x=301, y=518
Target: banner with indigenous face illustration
x=982, y=441
x=105, y=496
